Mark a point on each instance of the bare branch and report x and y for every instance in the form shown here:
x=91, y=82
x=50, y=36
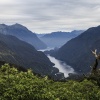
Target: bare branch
x=95, y=53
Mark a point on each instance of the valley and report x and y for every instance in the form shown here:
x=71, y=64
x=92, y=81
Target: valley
x=49, y=49
x=61, y=65
x=61, y=61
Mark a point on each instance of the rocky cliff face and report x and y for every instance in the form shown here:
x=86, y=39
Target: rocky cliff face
x=77, y=52
x=15, y=51
x=22, y=33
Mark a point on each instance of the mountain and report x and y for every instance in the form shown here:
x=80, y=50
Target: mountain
x=22, y=33
x=15, y=51
x=57, y=39
x=77, y=52
x=39, y=35
x=19, y=68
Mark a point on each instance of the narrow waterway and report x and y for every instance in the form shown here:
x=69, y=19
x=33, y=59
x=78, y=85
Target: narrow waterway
x=61, y=65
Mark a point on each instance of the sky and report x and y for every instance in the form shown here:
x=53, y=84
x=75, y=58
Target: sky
x=45, y=16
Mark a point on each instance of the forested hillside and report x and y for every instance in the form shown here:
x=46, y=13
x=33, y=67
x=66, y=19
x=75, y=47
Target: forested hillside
x=15, y=51
x=18, y=85
x=77, y=52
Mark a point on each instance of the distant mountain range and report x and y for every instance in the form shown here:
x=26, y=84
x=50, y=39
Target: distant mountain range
x=40, y=35
x=57, y=39
x=77, y=52
x=22, y=33
x=15, y=51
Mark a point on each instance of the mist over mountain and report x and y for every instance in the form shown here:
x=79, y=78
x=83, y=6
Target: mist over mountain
x=15, y=51
x=40, y=35
x=22, y=33
x=57, y=39
x=77, y=52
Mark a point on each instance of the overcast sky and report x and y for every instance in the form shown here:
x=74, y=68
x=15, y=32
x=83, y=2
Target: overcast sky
x=43, y=16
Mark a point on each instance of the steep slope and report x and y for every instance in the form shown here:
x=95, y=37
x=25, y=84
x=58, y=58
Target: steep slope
x=15, y=51
x=57, y=39
x=22, y=33
x=20, y=68
x=77, y=52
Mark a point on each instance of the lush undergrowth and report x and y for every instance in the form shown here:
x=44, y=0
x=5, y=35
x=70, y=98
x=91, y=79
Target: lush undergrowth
x=15, y=85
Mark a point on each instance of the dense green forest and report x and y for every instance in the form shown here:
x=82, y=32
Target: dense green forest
x=18, y=85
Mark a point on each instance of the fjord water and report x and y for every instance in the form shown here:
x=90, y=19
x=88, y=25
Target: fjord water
x=61, y=65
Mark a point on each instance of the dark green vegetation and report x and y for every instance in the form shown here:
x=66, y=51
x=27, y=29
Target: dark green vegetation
x=15, y=51
x=22, y=33
x=18, y=85
x=77, y=52
x=57, y=39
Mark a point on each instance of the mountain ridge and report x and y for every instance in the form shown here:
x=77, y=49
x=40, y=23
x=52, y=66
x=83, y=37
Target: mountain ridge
x=18, y=52
x=22, y=33
x=77, y=51
x=57, y=39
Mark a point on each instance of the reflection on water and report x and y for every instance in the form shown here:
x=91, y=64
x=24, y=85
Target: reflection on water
x=63, y=67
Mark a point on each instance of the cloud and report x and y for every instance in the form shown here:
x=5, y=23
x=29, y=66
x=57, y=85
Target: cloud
x=51, y=15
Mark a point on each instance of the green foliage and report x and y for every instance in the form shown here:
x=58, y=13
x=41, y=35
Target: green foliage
x=15, y=85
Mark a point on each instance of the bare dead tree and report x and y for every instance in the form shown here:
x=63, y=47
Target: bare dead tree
x=97, y=56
